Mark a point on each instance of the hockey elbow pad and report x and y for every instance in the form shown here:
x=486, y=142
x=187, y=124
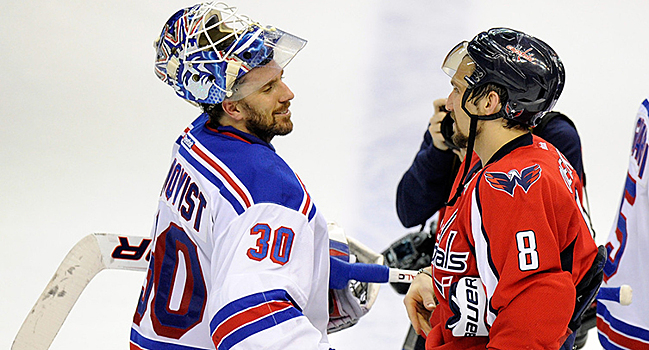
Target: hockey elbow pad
x=468, y=302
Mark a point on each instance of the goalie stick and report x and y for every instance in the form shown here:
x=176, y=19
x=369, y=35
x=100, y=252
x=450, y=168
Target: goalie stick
x=361, y=272
x=88, y=257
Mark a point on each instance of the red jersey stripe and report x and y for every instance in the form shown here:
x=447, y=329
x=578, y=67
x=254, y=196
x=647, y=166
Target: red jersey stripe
x=308, y=197
x=134, y=347
x=223, y=173
x=618, y=338
x=247, y=316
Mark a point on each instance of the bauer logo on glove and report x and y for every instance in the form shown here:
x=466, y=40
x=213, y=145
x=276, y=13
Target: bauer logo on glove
x=468, y=301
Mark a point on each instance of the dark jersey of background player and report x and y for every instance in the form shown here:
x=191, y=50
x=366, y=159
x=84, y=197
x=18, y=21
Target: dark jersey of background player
x=426, y=185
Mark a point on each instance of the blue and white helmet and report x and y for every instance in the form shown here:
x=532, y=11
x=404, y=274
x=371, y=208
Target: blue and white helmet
x=203, y=50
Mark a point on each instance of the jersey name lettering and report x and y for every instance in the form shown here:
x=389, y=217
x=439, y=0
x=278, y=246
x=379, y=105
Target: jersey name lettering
x=185, y=195
x=639, y=150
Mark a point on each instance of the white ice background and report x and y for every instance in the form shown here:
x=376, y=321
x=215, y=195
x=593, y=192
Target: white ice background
x=86, y=128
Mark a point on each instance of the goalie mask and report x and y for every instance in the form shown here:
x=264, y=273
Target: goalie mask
x=525, y=66
x=204, y=51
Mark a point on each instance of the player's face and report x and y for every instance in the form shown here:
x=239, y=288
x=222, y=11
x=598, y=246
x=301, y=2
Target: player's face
x=454, y=103
x=267, y=110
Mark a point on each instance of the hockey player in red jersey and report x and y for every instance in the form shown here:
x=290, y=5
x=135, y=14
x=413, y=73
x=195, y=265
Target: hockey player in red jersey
x=515, y=264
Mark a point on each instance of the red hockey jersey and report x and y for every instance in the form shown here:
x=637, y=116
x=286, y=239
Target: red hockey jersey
x=519, y=226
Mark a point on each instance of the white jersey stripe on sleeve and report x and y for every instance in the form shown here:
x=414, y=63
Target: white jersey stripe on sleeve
x=488, y=277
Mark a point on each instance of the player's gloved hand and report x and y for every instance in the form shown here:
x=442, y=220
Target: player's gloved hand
x=349, y=303
x=468, y=301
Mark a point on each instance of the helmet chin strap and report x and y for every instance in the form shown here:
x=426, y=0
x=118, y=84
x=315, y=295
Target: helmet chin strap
x=473, y=128
x=467, y=161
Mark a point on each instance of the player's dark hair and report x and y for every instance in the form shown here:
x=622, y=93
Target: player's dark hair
x=515, y=124
x=484, y=90
x=214, y=111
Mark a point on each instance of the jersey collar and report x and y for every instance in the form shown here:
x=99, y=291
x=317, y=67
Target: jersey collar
x=521, y=141
x=235, y=133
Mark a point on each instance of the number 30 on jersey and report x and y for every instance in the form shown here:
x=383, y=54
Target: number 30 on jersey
x=280, y=248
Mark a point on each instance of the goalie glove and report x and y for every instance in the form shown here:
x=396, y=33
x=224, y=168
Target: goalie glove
x=344, y=308
x=468, y=302
x=348, y=304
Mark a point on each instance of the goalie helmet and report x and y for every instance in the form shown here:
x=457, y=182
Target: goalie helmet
x=525, y=66
x=203, y=52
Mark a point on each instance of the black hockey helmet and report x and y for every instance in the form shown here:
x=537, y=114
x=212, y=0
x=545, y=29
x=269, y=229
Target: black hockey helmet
x=525, y=66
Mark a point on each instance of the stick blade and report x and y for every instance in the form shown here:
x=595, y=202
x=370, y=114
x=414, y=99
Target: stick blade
x=74, y=273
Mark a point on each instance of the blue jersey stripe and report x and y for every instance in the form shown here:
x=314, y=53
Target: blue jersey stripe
x=146, y=343
x=340, y=247
x=312, y=212
x=258, y=326
x=247, y=302
x=621, y=326
x=265, y=175
x=213, y=179
x=606, y=344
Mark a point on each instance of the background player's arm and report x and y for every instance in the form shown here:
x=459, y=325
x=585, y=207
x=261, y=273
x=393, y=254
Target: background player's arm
x=425, y=186
x=563, y=135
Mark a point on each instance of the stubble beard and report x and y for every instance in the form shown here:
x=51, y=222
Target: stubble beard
x=460, y=139
x=266, y=126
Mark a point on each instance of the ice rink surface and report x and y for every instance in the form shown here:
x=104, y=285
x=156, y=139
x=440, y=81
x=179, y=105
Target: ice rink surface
x=86, y=127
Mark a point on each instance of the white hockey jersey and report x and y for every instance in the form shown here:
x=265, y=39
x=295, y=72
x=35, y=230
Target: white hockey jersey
x=627, y=327
x=240, y=257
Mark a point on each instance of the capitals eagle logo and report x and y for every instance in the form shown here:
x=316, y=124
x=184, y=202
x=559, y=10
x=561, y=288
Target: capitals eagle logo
x=507, y=182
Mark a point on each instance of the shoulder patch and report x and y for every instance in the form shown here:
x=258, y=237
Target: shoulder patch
x=543, y=145
x=507, y=182
x=566, y=170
